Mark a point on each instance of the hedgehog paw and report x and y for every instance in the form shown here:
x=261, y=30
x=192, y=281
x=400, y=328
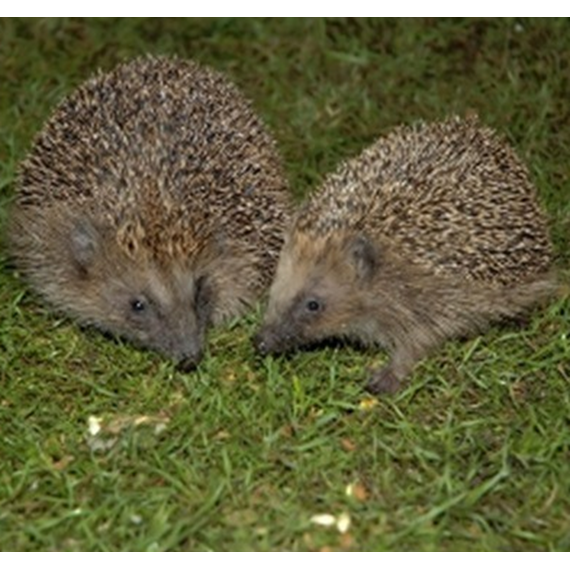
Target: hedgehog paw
x=383, y=381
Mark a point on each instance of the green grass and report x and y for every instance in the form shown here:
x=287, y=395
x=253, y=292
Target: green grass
x=474, y=454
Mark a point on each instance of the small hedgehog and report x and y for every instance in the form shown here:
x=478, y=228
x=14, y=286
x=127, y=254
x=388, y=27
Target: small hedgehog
x=151, y=205
x=433, y=232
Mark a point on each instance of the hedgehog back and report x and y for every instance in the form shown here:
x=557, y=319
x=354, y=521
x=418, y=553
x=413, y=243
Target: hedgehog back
x=451, y=197
x=167, y=152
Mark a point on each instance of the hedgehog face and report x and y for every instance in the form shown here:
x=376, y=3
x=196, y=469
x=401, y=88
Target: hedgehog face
x=164, y=309
x=169, y=316
x=319, y=292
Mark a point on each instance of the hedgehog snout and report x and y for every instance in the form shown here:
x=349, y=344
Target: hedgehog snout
x=187, y=350
x=188, y=357
x=269, y=341
x=260, y=344
x=189, y=363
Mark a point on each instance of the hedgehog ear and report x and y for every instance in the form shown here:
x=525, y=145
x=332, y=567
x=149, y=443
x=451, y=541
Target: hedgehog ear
x=84, y=243
x=364, y=256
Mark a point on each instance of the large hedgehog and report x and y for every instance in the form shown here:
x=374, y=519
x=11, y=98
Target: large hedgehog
x=151, y=205
x=431, y=233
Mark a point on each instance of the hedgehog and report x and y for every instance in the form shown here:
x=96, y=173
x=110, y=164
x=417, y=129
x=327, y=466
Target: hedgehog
x=433, y=232
x=152, y=205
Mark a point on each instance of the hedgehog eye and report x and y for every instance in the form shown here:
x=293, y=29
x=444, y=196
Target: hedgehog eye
x=313, y=306
x=138, y=305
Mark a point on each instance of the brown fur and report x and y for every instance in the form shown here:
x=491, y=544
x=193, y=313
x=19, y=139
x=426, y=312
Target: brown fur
x=410, y=278
x=151, y=205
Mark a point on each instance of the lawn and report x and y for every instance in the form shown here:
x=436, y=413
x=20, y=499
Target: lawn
x=107, y=447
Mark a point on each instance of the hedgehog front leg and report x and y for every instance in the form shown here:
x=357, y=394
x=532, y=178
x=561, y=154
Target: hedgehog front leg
x=390, y=378
x=384, y=381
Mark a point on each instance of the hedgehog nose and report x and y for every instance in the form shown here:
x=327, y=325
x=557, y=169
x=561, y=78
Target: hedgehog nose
x=260, y=344
x=188, y=363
